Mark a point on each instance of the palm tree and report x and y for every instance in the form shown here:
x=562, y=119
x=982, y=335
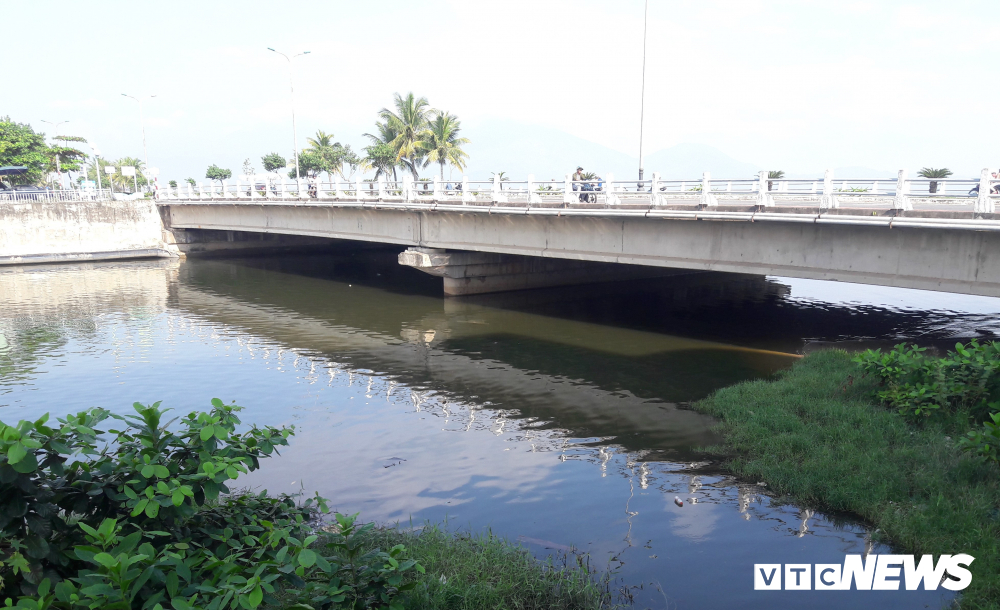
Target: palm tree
x=928, y=172
x=443, y=145
x=774, y=174
x=375, y=154
x=503, y=177
x=328, y=152
x=410, y=122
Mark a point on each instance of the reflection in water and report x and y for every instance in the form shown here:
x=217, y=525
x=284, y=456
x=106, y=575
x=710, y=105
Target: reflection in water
x=556, y=417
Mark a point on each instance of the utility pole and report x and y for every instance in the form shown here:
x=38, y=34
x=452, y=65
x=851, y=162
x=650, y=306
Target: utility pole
x=142, y=123
x=291, y=87
x=58, y=169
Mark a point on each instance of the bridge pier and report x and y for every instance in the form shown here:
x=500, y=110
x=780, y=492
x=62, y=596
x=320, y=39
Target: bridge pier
x=466, y=273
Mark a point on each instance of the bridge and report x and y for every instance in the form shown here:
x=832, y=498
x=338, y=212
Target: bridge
x=487, y=236
x=503, y=235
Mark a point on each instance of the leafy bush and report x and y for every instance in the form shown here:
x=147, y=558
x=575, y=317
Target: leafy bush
x=921, y=386
x=148, y=521
x=985, y=441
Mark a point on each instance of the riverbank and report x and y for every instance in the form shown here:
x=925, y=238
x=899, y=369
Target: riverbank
x=816, y=433
x=464, y=571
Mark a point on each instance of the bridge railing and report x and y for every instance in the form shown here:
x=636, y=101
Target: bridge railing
x=55, y=196
x=607, y=192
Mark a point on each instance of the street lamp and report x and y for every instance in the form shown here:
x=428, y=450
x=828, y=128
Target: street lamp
x=291, y=87
x=642, y=99
x=58, y=169
x=142, y=122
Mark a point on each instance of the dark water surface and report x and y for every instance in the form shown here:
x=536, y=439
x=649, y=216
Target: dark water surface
x=555, y=416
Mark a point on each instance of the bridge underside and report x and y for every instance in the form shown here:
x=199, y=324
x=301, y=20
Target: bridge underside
x=934, y=258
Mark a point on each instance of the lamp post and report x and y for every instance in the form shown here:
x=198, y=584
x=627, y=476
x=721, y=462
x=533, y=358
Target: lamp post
x=58, y=169
x=97, y=167
x=642, y=101
x=291, y=87
x=142, y=123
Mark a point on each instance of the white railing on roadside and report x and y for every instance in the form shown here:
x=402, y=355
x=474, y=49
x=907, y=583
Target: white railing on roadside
x=823, y=193
x=58, y=195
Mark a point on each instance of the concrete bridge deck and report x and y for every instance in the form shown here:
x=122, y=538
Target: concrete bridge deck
x=928, y=248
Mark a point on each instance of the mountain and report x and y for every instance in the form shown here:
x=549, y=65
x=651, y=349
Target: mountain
x=521, y=149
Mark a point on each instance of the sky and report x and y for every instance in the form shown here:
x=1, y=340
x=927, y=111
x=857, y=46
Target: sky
x=800, y=86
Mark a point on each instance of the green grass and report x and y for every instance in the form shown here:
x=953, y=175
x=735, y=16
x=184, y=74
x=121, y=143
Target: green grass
x=816, y=433
x=478, y=572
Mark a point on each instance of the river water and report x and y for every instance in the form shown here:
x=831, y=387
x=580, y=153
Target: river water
x=557, y=417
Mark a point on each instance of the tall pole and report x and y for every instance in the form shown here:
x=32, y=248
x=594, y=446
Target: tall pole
x=291, y=88
x=142, y=123
x=58, y=169
x=642, y=101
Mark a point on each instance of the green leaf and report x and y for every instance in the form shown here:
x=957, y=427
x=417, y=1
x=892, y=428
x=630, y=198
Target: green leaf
x=177, y=497
x=220, y=432
x=139, y=507
x=207, y=432
x=104, y=559
x=147, y=471
x=307, y=558
x=218, y=404
x=152, y=509
x=16, y=453
x=161, y=471
x=128, y=491
x=256, y=596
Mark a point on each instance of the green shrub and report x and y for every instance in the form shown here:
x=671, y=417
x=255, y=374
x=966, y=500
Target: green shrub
x=921, y=386
x=148, y=521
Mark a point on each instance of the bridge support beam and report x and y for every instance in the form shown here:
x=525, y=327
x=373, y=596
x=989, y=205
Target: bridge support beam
x=466, y=272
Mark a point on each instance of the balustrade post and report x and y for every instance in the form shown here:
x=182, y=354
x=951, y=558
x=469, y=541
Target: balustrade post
x=358, y=194
x=382, y=194
x=707, y=198
x=611, y=198
x=729, y=186
x=467, y=195
x=407, y=187
x=875, y=188
x=814, y=187
x=942, y=188
x=901, y=201
x=497, y=195
x=764, y=198
x=828, y=200
x=568, y=195
x=533, y=196
x=438, y=193
x=984, y=203
x=655, y=198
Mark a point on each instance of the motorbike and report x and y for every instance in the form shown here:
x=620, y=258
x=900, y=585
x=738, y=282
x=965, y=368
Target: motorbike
x=589, y=190
x=994, y=190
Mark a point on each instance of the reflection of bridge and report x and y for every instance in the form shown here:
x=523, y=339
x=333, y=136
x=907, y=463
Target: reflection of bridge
x=502, y=236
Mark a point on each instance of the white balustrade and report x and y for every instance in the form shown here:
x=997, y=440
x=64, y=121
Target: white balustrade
x=828, y=200
x=764, y=198
x=467, y=195
x=984, y=203
x=611, y=198
x=707, y=198
x=569, y=196
x=498, y=196
x=901, y=201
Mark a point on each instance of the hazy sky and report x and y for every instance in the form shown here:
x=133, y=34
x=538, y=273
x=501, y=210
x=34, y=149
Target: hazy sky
x=799, y=85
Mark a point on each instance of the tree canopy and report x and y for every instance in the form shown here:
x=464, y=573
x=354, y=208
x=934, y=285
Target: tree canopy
x=214, y=172
x=273, y=161
x=20, y=145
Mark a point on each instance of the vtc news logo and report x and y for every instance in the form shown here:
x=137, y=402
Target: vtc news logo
x=878, y=573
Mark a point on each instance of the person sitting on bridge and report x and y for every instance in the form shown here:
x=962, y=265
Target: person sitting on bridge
x=577, y=177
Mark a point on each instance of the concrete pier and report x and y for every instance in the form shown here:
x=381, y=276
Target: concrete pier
x=466, y=273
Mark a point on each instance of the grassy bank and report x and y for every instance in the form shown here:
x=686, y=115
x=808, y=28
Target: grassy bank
x=473, y=572
x=816, y=433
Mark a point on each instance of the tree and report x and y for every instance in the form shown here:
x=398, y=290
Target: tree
x=382, y=158
x=273, y=162
x=443, y=145
x=248, y=168
x=311, y=164
x=410, y=121
x=349, y=158
x=928, y=172
x=20, y=145
x=214, y=172
x=329, y=151
x=117, y=179
x=503, y=177
x=189, y=181
x=173, y=184
x=69, y=159
x=774, y=174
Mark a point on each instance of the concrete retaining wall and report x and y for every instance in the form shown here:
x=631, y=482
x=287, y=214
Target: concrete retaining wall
x=44, y=232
